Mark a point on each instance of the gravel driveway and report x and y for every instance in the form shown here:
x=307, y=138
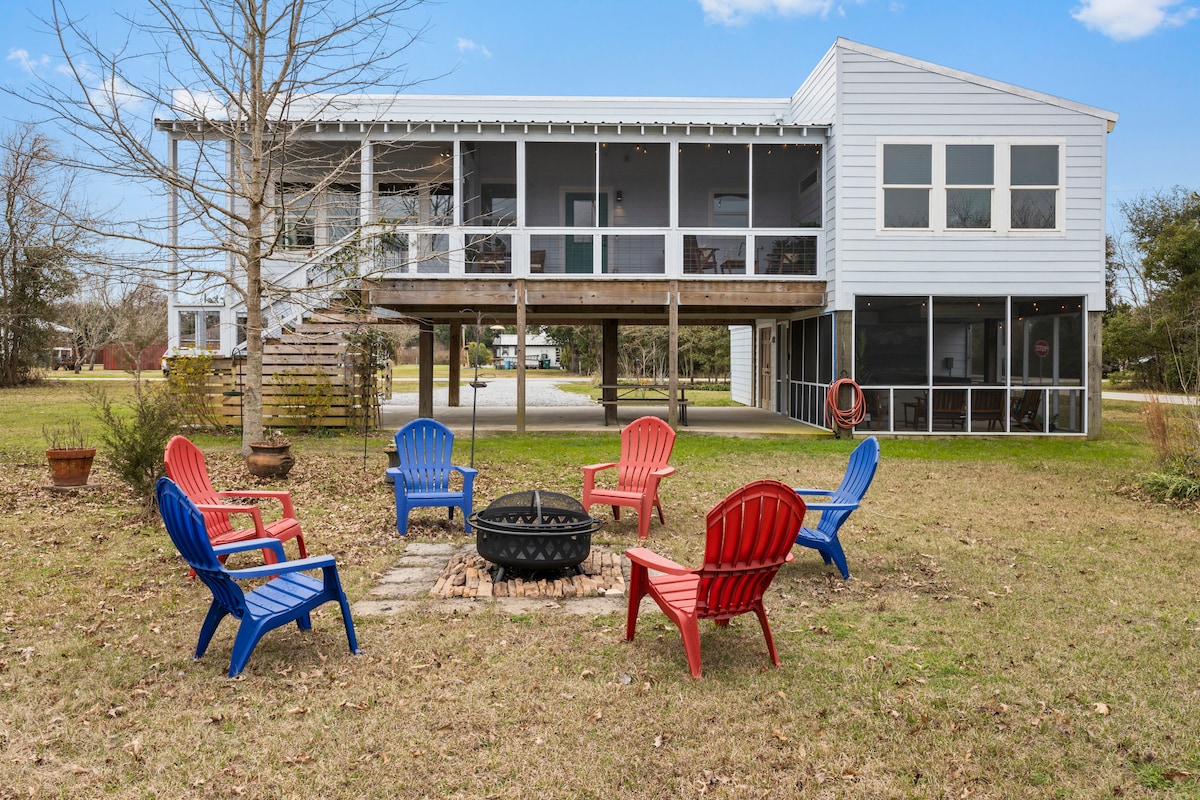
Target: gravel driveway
x=502, y=392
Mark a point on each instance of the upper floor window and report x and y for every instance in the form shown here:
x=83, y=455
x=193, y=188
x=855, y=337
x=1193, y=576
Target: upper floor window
x=949, y=186
x=970, y=174
x=1034, y=178
x=907, y=183
x=298, y=222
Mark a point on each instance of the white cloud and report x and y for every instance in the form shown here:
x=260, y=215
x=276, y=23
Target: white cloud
x=468, y=46
x=115, y=93
x=198, y=105
x=30, y=65
x=1132, y=19
x=735, y=12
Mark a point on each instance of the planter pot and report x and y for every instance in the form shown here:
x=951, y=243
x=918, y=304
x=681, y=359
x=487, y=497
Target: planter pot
x=70, y=466
x=269, y=460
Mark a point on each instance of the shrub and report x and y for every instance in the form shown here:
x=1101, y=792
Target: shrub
x=304, y=399
x=134, y=435
x=188, y=382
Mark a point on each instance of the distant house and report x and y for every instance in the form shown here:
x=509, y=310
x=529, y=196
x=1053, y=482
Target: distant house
x=937, y=236
x=540, y=353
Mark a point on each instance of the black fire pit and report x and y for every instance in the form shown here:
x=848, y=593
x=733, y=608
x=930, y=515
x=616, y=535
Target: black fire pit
x=535, y=530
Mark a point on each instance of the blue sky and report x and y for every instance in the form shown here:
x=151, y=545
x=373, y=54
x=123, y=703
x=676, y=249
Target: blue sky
x=1139, y=58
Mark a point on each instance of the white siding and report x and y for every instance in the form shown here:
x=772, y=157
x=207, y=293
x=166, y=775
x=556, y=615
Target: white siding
x=881, y=98
x=741, y=364
x=816, y=99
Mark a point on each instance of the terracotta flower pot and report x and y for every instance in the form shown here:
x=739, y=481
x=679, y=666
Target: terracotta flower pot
x=269, y=460
x=70, y=466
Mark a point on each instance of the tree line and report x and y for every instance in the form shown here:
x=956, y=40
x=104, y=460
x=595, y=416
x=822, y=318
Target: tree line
x=1151, y=335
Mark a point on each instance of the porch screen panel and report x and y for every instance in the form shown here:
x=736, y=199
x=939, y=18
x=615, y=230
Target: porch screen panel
x=489, y=172
x=1048, y=341
x=714, y=183
x=637, y=178
x=891, y=341
x=787, y=186
x=552, y=169
x=967, y=340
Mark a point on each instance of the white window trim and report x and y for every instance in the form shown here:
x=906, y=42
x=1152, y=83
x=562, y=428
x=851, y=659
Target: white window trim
x=1001, y=187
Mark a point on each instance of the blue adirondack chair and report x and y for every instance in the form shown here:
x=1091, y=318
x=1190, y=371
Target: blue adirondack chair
x=859, y=473
x=424, y=448
x=288, y=597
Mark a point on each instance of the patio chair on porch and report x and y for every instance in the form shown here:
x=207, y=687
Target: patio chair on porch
x=987, y=405
x=697, y=259
x=1025, y=412
x=949, y=406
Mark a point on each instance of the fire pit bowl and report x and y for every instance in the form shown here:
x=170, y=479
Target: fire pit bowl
x=536, y=530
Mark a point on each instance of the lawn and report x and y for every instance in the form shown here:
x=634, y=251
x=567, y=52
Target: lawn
x=1018, y=625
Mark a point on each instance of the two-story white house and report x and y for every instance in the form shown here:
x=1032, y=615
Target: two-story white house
x=936, y=236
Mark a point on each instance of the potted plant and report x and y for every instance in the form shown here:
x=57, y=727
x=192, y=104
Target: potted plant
x=270, y=458
x=68, y=454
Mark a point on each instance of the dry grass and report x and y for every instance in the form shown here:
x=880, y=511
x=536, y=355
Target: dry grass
x=1015, y=628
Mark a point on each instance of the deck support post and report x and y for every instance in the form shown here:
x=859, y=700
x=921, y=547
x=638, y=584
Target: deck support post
x=456, y=349
x=521, y=356
x=608, y=368
x=673, y=356
x=425, y=368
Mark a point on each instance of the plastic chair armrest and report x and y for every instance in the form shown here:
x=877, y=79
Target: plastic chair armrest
x=814, y=491
x=594, y=468
x=651, y=560
x=285, y=498
x=465, y=471
x=663, y=472
x=266, y=543
x=831, y=506
x=283, y=568
x=229, y=509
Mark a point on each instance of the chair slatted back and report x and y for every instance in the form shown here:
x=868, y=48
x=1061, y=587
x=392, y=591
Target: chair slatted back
x=185, y=525
x=185, y=466
x=1026, y=412
x=424, y=448
x=860, y=471
x=749, y=536
x=646, y=445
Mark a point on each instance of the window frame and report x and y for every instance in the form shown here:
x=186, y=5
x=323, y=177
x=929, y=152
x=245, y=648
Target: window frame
x=1002, y=187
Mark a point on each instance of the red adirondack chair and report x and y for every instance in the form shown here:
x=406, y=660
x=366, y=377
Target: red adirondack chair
x=645, y=449
x=185, y=465
x=750, y=536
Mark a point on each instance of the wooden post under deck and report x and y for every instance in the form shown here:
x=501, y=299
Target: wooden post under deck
x=425, y=368
x=456, y=346
x=673, y=356
x=608, y=368
x=520, y=356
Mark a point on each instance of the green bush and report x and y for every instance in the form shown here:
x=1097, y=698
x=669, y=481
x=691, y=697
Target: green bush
x=134, y=434
x=305, y=399
x=188, y=382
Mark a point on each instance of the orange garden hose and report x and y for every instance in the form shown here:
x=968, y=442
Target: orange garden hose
x=858, y=408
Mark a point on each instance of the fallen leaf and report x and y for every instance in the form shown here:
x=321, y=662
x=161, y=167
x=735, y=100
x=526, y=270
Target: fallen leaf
x=1101, y=708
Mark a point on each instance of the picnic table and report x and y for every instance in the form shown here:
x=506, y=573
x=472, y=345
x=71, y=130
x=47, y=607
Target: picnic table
x=641, y=394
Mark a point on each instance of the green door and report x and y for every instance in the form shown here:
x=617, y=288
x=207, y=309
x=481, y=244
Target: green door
x=581, y=213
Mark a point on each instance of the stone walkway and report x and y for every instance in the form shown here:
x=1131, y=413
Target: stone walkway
x=411, y=582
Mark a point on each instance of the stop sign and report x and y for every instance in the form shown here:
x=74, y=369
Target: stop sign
x=1041, y=348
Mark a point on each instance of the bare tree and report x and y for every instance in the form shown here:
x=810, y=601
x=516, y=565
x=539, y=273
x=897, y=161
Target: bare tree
x=38, y=245
x=233, y=81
